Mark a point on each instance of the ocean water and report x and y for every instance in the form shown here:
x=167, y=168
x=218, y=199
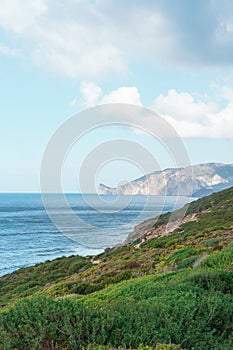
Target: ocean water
x=28, y=236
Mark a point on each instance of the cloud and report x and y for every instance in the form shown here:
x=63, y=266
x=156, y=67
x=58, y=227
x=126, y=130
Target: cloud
x=123, y=95
x=189, y=116
x=91, y=39
x=203, y=31
x=193, y=119
x=7, y=51
x=92, y=95
x=69, y=39
x=18, y=16
x=182, y=106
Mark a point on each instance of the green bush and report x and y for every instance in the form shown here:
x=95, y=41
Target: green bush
x=179, y=313
x=183, y=264
x=182, y=254
x=76, y=266
x=221, y=259
x=212, y=242
x=213, y=280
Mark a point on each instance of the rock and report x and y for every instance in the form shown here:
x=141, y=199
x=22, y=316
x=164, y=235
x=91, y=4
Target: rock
x=197, y=181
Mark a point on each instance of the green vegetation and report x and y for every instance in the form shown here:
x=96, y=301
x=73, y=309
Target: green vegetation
x=172, y=292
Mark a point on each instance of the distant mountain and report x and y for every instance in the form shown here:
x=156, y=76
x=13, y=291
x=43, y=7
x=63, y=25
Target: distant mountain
x=197, y=181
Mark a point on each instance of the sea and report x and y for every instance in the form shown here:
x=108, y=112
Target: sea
x=30, y=235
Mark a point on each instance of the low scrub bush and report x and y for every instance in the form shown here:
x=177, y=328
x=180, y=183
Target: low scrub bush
x=182, y=314
x=213, y=280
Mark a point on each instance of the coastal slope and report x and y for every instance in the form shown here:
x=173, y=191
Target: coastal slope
x=161, y=286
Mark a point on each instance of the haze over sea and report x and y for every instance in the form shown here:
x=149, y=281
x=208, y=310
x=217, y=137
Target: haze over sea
x=27, y=236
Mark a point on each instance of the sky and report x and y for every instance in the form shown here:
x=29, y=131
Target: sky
x=60, y=58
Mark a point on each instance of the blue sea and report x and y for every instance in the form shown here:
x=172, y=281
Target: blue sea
x=28, y=236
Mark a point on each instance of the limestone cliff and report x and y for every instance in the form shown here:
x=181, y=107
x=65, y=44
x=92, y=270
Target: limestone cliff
x=197, y=181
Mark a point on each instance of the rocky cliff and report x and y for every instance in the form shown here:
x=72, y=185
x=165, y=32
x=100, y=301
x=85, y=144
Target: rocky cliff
x=197, y=181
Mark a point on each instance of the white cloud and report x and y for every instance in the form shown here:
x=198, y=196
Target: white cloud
x=7, y=51
x=92, y=95
x=192, y=118
x=123, y=95
x=71, y=39
x=18, y=16
x=90, y=39
x=182, y=106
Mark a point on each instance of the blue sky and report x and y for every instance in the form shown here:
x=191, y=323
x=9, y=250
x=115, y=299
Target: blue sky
x=58, y=58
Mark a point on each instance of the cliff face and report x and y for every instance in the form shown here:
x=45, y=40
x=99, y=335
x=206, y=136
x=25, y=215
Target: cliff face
x=197, y=181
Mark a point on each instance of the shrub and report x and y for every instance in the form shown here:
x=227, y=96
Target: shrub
x=76, y=266
x=180, y=313
x=219, y=260
x=212, y=280
x=182, y=254
x=212, y=242
x=183, y=264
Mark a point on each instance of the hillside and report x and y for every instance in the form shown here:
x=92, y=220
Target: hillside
x=197, y=181
x=160, y=287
